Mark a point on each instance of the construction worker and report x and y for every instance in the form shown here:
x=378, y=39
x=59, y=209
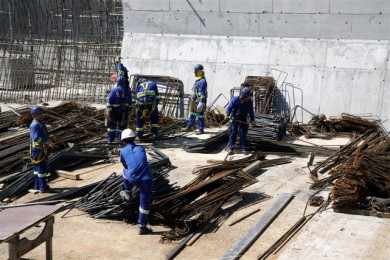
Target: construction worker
x=137, y=173
x=118, y=103
x=121, y=70
x=147, y=107
x=238, y=110
x=38, y=149
x=199, y=100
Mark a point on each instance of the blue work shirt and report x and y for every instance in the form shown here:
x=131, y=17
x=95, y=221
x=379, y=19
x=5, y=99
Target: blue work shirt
x=200, y=90
x=147, y=92
x=39, y=137
x=119, y=96
x=238, y=110
x=135, y=163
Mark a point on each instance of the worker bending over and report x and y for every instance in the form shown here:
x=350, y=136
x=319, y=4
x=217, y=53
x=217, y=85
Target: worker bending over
x=118, y=106
x=38, y=149
x=137, y=173
x=199, y=100
x=147, y=107
x=238, y=110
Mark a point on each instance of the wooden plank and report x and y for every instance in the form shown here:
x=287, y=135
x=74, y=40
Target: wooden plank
x=244, y=243
x=68, y=175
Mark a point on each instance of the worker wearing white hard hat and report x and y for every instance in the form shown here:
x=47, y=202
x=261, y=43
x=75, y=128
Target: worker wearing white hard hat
x=136, y=173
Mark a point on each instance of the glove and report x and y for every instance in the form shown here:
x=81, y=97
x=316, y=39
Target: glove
x=200, y=107
x=125, y=195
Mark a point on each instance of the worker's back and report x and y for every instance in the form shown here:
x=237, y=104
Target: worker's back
x=135, y=163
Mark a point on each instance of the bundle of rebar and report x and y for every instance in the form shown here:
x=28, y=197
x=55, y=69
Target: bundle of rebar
x=17, y=184
x=67, y=123
x=104, y=200
x=209, y=145
x=364, y=175
x=322, y=127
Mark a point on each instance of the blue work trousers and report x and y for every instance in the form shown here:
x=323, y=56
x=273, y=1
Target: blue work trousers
x=140, y=120
x=195, y=116
x=116, y=122
x=40, y=172
x=145, y=198
x=234, y=129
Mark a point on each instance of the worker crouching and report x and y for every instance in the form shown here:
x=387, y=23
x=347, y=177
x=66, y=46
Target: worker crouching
x=147, y=107
x=238, y=110
x=38, y=150
x=137, y=173
x=199, y=100
x=118, y=106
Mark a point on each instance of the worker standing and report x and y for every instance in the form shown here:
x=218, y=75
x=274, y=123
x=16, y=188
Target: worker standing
x=199, y=100
x=147, y=107
x=137, y=173
x=118, y=103
x=238, y=110
x=39, y=139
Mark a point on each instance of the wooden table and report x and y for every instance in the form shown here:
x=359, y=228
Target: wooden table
x=15, y=221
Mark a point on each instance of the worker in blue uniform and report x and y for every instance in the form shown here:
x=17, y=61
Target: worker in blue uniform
x=118, y=104
x=199, y=100
x=38, y=149
x=147, y=107
x=238, y=110
x=137, y=173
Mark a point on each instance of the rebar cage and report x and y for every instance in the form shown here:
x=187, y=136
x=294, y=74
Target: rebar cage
x=58, y=49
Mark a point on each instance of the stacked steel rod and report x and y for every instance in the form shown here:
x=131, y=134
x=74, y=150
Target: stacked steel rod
x=67, y=123
x=62, y=50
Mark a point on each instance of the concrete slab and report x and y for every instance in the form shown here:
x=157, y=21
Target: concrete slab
x=160, y=5
x=250, y=6
x=359, y=6
x=204, y=5
x=181, y=23
x=301, y=6
x=357, y=54
x=340, y=236
x=229, y=24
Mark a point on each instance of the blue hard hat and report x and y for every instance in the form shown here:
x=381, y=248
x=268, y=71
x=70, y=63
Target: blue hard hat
x=198, y=67
x=245, y=92
x=36, y=110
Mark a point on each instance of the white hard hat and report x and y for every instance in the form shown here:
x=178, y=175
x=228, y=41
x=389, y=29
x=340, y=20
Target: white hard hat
x=127, y=133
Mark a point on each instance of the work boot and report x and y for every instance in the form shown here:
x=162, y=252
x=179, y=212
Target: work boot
x=200, y=132
x=145, y=230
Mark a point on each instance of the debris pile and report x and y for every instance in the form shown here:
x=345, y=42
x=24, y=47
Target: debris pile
x=322, y=127
x=67, y=123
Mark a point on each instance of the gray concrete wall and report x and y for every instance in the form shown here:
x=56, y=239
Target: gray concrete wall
x=335, y=50
x=344, y=19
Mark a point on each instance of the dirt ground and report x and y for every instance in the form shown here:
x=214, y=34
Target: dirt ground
x=328, y=235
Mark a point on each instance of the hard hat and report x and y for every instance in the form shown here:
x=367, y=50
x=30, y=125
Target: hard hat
x=36, y=110
x=198, y=67
x=127, y=134
x=245, y=92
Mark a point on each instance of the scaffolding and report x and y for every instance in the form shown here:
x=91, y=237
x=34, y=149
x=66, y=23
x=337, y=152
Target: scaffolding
x=58, y=49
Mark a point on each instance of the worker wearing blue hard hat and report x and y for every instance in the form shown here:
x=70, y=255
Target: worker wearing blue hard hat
x=199, y=100
x=39, y=139
x=239, y=109
x=118, y=105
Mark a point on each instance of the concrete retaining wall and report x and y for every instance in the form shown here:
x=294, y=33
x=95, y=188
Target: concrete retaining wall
x=335, y=50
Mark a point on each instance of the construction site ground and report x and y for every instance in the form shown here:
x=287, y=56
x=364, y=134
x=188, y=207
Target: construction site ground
x=328, y=235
